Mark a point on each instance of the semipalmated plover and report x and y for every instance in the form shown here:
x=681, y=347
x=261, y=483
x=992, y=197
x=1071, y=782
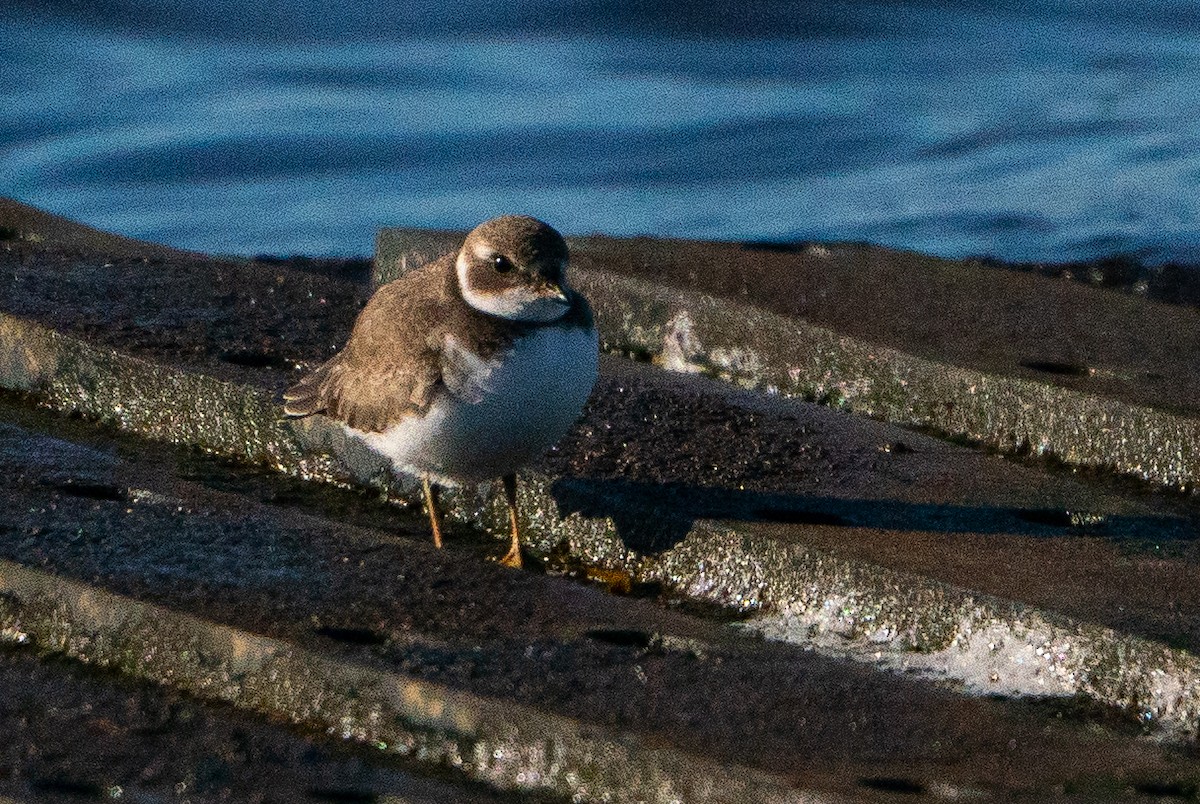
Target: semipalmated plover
x=467, y=368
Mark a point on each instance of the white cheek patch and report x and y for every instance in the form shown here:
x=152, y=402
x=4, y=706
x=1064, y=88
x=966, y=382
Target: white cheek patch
x=521, y=303
x=517, y=304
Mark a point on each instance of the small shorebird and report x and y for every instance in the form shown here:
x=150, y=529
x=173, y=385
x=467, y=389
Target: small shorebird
x=465, y=369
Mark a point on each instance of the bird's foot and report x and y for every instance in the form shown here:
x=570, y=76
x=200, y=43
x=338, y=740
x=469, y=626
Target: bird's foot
x=512, y=558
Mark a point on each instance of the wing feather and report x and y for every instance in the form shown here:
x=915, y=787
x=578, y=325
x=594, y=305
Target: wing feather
x=401, y=355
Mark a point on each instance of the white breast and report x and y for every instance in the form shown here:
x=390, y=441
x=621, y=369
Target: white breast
x=518, y=406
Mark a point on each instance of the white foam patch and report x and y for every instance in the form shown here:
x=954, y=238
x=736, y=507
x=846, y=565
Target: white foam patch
x=1028, y=656
x=991, y=660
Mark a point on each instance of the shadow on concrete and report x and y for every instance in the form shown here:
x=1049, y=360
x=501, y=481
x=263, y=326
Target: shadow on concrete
x=654, y=517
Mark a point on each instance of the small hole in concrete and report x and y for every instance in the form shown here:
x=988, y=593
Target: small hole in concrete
x=352, y=636
x=646, y=589
x=623, y=637
x=1182, y=790
x=69, y=787
x=893, y=784
x=638, y=355
x=344, y=796
x=1055, y=367
x=794, y=516
x=92, y=491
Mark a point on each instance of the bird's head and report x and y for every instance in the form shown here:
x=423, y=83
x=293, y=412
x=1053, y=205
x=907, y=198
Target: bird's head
x=514, y=267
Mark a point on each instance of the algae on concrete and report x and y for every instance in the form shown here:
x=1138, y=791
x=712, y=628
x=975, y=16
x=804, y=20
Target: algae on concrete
x=161, y=403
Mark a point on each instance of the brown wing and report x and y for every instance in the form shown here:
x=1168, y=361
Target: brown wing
x=368, y=401
x=390, y=368
x=398, y=357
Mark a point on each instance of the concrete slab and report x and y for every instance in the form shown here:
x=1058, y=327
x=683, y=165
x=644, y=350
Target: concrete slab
x=852, y=536
x=508, y=746
x=74, y=733
x=205, y=576
x=31, y=226
x=1015, y=361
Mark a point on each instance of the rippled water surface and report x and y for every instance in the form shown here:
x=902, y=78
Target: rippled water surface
x=1062, y=132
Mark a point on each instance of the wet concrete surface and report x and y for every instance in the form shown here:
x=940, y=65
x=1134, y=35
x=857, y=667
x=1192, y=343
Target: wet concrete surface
x=1092, y=548
x=958, y=312
x=717, y=453
x=73, y=733
x=341, y=571
x=234, y=319
x=1012, y=360
x=260, y=553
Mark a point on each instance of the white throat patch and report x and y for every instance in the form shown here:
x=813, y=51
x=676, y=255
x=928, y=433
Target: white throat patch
x=516, y=304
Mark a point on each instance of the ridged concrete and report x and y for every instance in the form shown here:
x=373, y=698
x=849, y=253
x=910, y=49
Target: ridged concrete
x=685, y=330
x=803, y=594
x=508, y=746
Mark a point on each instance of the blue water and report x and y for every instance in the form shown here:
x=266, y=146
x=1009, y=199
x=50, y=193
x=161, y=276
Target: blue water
x=1055, y=131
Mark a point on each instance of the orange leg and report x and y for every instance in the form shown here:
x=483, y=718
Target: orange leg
x=435, y=519
x=513, y=557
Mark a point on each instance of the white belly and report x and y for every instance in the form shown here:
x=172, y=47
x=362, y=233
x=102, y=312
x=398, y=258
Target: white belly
x=531, y=397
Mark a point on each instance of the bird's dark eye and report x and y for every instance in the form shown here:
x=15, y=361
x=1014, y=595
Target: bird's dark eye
x=502, y=264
